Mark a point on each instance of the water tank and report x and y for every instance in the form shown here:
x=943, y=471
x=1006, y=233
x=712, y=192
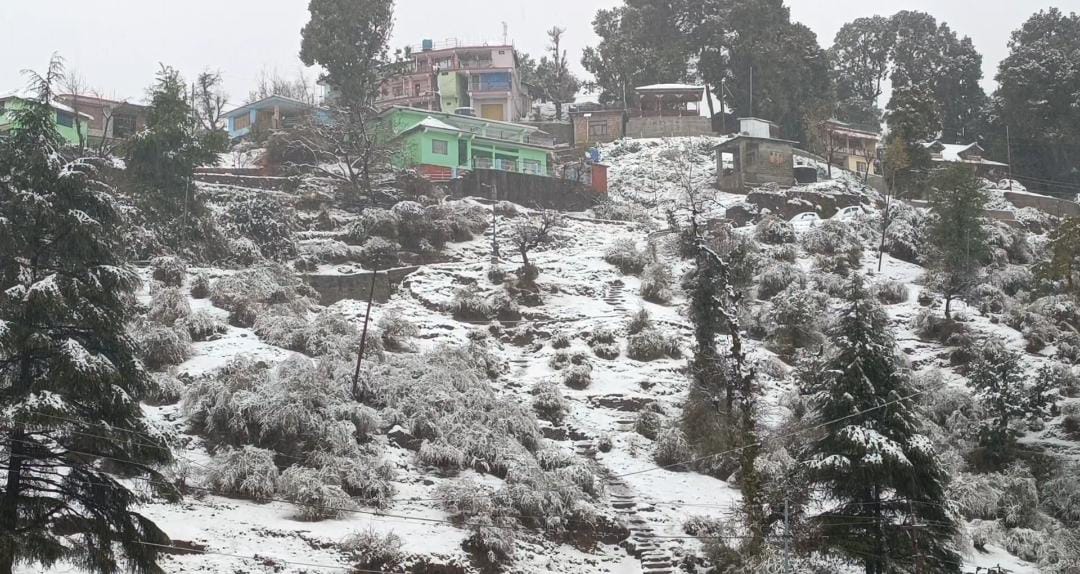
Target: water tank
x=427, y=45
x=471, y=112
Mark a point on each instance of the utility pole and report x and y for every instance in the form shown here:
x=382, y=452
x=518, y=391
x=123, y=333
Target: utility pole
x=494, y=228
x=751, y=108
x=363, y=334
x=787, y=540
x=723, y=112
x=1008, y=147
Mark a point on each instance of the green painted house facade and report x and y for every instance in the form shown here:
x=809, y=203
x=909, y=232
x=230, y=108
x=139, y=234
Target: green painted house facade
x=441, y=145
x=63, y=116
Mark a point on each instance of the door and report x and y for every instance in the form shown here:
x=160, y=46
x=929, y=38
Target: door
x=492, y=112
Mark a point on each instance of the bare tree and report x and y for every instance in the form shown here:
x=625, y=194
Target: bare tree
x=75, y=85
x=270, y=83
x=528, y=233
x=210, y=100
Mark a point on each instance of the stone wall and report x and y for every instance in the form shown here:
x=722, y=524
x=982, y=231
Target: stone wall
x=1051, y=205
x=661, y=127
x=534, y=191
x=788, y=204
x=563, y=132
x=334, y=288
x=263, y=182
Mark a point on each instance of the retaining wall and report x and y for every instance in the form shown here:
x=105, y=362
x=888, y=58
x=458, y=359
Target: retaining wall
x=668, y=126
x=529, y=190
x=334, y=288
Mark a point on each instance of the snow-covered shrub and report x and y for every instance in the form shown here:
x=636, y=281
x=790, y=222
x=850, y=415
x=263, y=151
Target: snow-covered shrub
x=604, y=443
x=639, y=321
x=776, y=277
x=562, y=359
x=282, y=329
x=160, y=347
x=604, y=342
x=795, y=319
x=787, y=252
x=560, y=341
x=652, y=343
x=891, y=292
x=200, y=325
x=578, y=376
x=248, y=472
x=978, y=496
x=243, y=251
x=169, y=270
x=905, y=238
x=262, y=285
x=267, y=221
x=774, y=231
x=931, y=326
x=494, y=543
x=470, y=303
x=325, y=251
x=1012, y=279
x=379, y=222
x=648, y=422
x=358, y=470
x=166, y=390
x=1027, y=544
x=313, y=493
x=624, y=255
x=506, y=209
x=379, y=253
x=330, y=332
x=985, y=532
x=990, y=299
x=548, y=402
x=371, y=550
x=614, y=211
x=200, y=286
x=168, y=305
x=396, y=331
x=441, y=454
x=1061, y=496
x=672, y=447
x=656, y=283
x=833, y=238
x=244, y=314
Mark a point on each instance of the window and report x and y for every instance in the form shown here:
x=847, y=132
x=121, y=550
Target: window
x=530, y=166
x=124, y=125
x=398, y=91
x=416, y=88
x=243, y=122
x=440, y=147
x=860, y=166
x=66, y=119
x=598, y=129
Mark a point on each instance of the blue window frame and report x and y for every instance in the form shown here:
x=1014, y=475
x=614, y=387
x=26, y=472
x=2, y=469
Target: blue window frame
x=65, y=119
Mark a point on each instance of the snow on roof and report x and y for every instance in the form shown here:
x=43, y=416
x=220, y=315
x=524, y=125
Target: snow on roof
x=668, y=87
x=430, y=122
x=951, y=153
x=266, y=100
x=22, y=95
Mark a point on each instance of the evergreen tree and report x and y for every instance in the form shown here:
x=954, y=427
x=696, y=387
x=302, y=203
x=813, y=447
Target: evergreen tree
x=1064, y=254
x=557, y=82
x=69, y=381
x=860, y=57
x=999, y=381
x=1038, y=99
x=961, y=100
x=162, y=158
x=957, y=233
x=884, y=482
x=349, y=39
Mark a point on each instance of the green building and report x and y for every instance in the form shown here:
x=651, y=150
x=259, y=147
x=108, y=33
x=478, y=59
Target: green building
x=64, y=118
x=441, y=145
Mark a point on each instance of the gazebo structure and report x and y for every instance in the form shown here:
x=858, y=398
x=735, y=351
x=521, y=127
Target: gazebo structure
x=663, y=100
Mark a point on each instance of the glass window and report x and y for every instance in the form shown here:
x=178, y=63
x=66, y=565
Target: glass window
x=243, y=121
x=598, y=129
x=124, y=125
x=440, y=147
x=65, y=119
x=531, y=166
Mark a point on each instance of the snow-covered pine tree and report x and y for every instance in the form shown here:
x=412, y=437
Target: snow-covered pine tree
x=69, y=382
x=882, y=481
x=957, y=232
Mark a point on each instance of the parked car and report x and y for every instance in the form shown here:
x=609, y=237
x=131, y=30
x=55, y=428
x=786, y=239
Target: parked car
x=851, y=212
x=805, y=220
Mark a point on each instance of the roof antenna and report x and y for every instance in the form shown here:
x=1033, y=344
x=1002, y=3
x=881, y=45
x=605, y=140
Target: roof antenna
x=505, y=33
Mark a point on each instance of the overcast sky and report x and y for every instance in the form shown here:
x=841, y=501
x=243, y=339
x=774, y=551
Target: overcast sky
x=116, y=45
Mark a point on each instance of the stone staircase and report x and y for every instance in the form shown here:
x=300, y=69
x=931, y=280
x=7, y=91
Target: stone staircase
x=615, y=297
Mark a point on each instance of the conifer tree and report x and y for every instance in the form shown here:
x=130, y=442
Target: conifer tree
x=883, y=481
x=1064, y=254
x=957, y=234
x=69, y=381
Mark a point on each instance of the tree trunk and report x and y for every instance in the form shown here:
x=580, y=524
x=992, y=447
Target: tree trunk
x=558, y=109
x=948, y=306
x=9, y=505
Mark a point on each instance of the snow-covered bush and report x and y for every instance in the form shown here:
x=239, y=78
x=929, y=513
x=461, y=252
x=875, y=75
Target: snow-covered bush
x=262, y=285
x=787, y=252
x=794, y=317
x=506, y=209
x=244, y=314
x=604, y=342
x=243, y=251
x=160, y=347
x=833, y=238
x=774, y=231
x=470, y=303
x=313, y=493
x=169, y=270
x=548, y=402
x=578, y=376
x=652, y=343
x=396, y=331
x=985, y=532
x=639, y=321
x=166, y=390
x=614, y=211
x=1012, y=279
x=624, y=255
x=371, y=550
x=932, y=326
x=891, y=292
x=379, y=253
x=200, y=325
x=648, y=422
x=991, y=299
x=441, y=454
x=247, y=472
x=562, y=359
x=560, y=341
x=604, y=443
x=672, y=447
x=1061, y=496
x=905, y=238
x=1027, y=544
x=267, y=221
x=776, y=277
x=325, y=250
x=656, y=283
x=168, y=305
x=200, y=286
x=358, y=470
